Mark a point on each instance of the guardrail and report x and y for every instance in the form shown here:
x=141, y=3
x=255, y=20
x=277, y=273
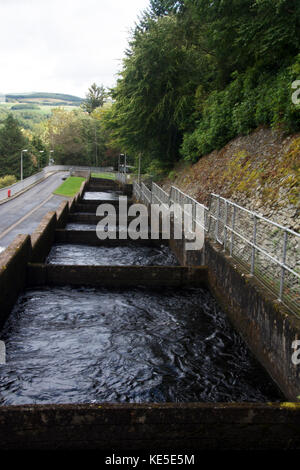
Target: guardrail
x=268, y=251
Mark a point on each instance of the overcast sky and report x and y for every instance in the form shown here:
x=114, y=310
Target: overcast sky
x=63, y=46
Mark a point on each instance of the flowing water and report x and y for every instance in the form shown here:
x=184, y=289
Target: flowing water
x=129, y=254
x=67, y=345
x=78, y=226
x=107, y=195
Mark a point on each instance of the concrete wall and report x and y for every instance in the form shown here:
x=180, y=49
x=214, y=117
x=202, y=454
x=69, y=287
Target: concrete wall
x=43, y=237
x=89, y=237
x=13, y=265
x=157, y=427
x=116, y=276
x=267, y=327
x=15, y=258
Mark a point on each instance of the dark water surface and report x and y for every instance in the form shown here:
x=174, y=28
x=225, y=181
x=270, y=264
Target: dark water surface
x=131, y=254
x=67, y=345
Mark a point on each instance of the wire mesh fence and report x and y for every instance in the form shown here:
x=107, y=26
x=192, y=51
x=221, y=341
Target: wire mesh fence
x=265, y=249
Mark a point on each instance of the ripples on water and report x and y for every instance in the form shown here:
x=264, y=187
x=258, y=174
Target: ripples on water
x=130, y=254
x=67, y=345
x=102, y=195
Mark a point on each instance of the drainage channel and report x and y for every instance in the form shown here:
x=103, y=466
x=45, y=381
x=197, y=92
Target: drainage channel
x=161, y=343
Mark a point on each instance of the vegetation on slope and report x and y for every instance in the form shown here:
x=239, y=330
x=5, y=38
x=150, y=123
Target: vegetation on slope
x=199, y=73
x=260, y=171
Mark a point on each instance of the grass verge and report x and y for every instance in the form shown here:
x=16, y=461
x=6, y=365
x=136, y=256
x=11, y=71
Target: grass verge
x=110, y=176
x=69, y=187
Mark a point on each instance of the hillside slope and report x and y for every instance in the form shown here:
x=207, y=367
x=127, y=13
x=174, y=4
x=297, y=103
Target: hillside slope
x=53, y=99
x=260, y=171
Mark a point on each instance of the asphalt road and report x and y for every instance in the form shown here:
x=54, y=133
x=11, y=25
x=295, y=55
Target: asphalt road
x=24, y=213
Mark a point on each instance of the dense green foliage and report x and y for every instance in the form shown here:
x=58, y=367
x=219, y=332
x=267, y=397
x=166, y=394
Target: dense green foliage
x=77, y=138
x=7, y=180
x=12, y=142
x=94, y=99
x=199, y=72
x=70, y=136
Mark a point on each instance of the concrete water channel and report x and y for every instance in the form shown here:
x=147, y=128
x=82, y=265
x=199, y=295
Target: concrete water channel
x=115, y=343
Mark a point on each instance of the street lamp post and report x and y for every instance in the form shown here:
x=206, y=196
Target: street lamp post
x=22, y=163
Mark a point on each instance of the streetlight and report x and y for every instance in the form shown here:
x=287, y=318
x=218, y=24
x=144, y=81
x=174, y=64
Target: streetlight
x=51, y=151
x=22, y=163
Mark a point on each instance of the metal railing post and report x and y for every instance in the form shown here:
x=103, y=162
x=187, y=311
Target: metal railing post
x=225, y=224
x=253, y=246
x=217, y=221
x=283, y=267
x=232, y=229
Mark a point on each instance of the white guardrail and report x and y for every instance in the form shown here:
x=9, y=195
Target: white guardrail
x=27, y=182
x=268, y=251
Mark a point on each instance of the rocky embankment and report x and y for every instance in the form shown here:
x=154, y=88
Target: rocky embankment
x=260, y=171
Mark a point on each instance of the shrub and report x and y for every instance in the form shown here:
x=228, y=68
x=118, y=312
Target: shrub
x=7, y=180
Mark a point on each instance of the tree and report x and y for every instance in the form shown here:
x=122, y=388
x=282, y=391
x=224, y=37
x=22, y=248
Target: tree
x=95, y=98
x=155, y=93
x=199, y=72
x=12, y=141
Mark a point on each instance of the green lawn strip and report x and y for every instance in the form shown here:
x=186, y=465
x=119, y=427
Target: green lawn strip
x=70, y=187
x=110, y=176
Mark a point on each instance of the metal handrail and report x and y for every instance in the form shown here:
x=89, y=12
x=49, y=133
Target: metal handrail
x=229, y=232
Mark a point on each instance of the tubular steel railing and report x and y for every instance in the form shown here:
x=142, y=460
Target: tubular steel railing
x=265, y=249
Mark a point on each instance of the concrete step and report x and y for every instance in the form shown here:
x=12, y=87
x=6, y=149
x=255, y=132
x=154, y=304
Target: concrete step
x=117, y=276
x=89, y=237
x=89, y=218
x=91, y=206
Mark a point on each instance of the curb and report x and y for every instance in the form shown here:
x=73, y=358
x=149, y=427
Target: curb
x=26, y=189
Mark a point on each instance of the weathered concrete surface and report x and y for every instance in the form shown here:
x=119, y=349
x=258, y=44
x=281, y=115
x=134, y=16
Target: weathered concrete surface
x=101, y=183
x=116, y=276
x=158, y=427
x=126, y=188
x=62, y=214
x=268, y=328
x=90, y=219
x=13, y=264
x=43, y=237
x=82, y=173
x=186, y=258
x=89, y=237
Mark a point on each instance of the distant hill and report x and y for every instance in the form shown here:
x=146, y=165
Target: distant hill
x=50, y=99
